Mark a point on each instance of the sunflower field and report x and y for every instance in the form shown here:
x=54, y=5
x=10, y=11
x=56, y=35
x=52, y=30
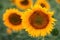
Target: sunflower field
x=29, y=19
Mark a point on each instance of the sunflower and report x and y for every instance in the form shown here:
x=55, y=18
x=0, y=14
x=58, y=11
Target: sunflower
x=12, y=19
x=38, y=22
x=58, y=1
x=43, y=4
x=23, y=4
x=9, y=31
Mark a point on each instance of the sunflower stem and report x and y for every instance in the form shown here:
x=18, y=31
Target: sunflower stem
x=43, y=38
x=39, y=38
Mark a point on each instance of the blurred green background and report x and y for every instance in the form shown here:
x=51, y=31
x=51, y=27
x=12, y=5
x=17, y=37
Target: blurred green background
x=22, y=35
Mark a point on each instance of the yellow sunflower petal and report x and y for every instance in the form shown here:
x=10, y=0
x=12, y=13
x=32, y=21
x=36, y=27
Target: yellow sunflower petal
x=23, y=4
x=12, y=19
x=32, y=28
x=57, y=1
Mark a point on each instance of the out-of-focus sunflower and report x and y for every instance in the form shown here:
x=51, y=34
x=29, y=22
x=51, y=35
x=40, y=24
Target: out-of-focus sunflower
x=12, y=19
x=38, y=21
x=9, y=31
x=23, y=4
x=43, y=3
x=57, y=1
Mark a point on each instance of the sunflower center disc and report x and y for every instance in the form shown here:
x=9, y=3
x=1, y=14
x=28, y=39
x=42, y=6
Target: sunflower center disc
x=42, y=5
x=15, y=19
x=25, y=2
x=39, y=20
